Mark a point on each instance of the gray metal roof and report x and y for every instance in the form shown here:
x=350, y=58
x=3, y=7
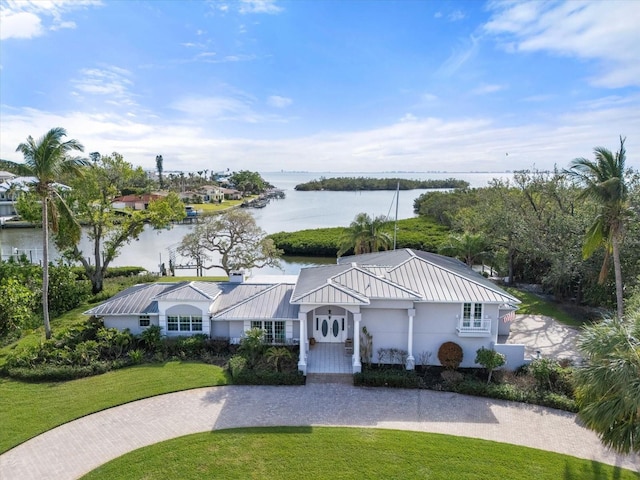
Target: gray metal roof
x=136, y=300
x=371, y=286
x=312, y=278
x=191, y=291
x=271, y=302
x=330, y=293
x=428, y=276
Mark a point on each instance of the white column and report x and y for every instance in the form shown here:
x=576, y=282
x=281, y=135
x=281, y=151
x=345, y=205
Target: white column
x=411, y=361
x=357, y=366
x=302, y=361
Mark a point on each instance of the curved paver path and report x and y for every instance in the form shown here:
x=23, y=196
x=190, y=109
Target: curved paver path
x=78, y=447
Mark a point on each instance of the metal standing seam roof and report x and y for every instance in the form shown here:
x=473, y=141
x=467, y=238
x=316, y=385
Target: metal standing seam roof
x=272, y=302
x=371, y=286
x=437, y=284
x=138, y=299
x=235, y=293
x=435, y=277
x=332, y=293
x=191, y=291
x=312, y=278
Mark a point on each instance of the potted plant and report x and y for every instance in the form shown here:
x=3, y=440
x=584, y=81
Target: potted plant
x=312, y=341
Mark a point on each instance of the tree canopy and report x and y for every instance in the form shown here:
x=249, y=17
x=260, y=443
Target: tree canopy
x=107, y=228
x=230, y=241
x=366, y=183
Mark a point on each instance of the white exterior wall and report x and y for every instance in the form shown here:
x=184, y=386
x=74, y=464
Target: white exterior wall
x=219, y=328
x=236, y=329
x=132, y=322
x=389, y=328
x=436, y=324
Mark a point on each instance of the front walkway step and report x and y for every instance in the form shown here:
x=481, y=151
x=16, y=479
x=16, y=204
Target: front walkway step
x=345, y=378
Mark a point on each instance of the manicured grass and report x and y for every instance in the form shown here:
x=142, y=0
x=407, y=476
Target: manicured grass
x=28, y=409
x=345, y=453
x=210, y=208
x=534, y=305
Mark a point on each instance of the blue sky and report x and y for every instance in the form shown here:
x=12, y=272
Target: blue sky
x=351, y=85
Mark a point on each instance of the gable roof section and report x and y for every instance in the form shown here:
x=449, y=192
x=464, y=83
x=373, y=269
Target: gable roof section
x=312, y=278
x=439, y=284
x=136, y=300
x=331, y=293
x=191, y=291
x=435, y=277
x=271, y=302
x=371, y=286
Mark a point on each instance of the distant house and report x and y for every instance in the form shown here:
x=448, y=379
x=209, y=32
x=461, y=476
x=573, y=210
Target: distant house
x=407, y=300
x=4, y=176
x=10, y=190
x=212, y=193
x=231, y=194
x=136, y=202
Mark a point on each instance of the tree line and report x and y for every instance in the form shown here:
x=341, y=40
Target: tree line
x=350, y=184
x=560, y=229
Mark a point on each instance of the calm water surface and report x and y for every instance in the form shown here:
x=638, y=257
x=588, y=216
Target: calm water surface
x=299, y=210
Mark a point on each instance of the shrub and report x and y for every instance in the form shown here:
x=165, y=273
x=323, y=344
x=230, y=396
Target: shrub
x=136, y=356
x=276, y=355
x=152, y=338
x=552, y=377
x=490, y=360
x=237, y=364
x=57, y=373
x=387, y=378
x=450, y=355
x=252, y=345
x=265, y=377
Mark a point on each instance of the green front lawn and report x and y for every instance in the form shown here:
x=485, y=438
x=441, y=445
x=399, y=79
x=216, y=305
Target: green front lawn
x=28, y=409
x=534, y=305
x=345, y=453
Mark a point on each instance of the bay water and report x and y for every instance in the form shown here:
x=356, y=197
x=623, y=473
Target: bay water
x=297, y=211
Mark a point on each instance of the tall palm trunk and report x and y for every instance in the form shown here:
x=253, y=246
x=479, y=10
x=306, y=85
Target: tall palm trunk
x=617, y=268
x=45, y=268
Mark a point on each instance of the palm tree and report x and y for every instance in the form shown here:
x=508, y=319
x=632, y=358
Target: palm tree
x=468, y=247
x=608, y=385
x=159, y=161
x=46, y=160
x=365, y=235
x=604, y=182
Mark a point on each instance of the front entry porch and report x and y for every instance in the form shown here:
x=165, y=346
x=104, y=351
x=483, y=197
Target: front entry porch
x=329, y=358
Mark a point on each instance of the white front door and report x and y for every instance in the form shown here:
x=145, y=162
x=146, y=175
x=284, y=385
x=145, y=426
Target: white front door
x=329, y=328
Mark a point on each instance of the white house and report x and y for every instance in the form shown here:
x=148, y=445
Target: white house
x=407, y=300
x=10, y=190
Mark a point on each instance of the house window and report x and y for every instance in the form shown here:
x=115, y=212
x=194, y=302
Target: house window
x=184, y=323
x=144, y=320
x=477, y=315
x=274, y=330
x=472, y=315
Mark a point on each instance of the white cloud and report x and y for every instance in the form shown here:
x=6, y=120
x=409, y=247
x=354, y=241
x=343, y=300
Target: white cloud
x=109, y=81
x=31, y=18
x=456, y=16
x=488, y=88
x=20, y=25
x=410, y=143
x=278, y=101
x=606, y=32
x=466, y=49
x=259, y=6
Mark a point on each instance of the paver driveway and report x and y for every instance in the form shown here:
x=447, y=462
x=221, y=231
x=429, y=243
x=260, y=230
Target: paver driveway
x=78, y=447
